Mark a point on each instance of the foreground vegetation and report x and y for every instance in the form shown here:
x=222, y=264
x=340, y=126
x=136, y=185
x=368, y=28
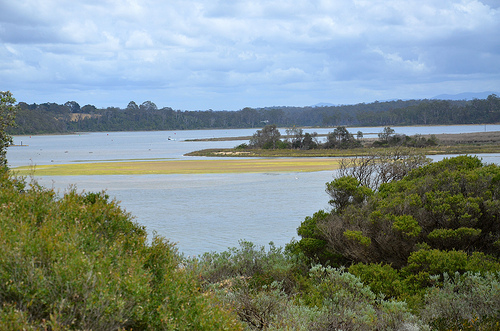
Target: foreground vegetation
x=407, y=246
x=414, y=248
x=79, y=262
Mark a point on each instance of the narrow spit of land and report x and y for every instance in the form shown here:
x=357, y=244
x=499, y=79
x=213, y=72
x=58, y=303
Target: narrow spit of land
x=241, y=161
x=462, y=143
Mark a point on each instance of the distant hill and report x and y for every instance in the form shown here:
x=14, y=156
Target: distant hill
x=324, y=104
x=464, y=96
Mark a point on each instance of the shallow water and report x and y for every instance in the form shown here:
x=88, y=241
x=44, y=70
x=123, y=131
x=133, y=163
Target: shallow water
x=211, y=212
x=201, y=212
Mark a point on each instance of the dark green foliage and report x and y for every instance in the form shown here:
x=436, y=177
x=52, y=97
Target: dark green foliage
x=387, y=138
x=436, y=262
x=452, y=204
x=346, y=191
x=80, y=262
x=7, y=115
x=267, y=138
x=312, y=245
x=242, y=146
x=341, y=138
x=309, y=141
x=381, y=278
x=300, y=140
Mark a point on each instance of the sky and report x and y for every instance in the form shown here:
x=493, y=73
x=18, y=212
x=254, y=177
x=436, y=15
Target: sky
x=232, y=54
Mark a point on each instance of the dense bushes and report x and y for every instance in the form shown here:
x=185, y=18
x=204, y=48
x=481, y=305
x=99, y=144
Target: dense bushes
x=80, y=262
x=274, y=290
x=452, y=204
x=429, y=238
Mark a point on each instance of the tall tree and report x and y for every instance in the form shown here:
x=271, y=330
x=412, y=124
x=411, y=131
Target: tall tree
x=73, y=106
x=132, y=106
x=341, y=138
x=148, y=106
x=267, y=138
x=7, y=116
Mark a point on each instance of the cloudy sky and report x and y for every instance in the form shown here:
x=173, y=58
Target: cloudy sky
x=231, y=54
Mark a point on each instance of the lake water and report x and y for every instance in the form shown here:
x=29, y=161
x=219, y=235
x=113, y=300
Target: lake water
x=200, y=212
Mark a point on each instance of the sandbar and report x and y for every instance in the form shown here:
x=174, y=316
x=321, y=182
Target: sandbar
x=183, y=167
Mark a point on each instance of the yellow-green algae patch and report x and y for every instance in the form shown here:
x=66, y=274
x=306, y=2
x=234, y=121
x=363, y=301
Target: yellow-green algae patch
x=183, y=167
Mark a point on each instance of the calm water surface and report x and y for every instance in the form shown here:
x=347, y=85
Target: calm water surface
x=200, y=212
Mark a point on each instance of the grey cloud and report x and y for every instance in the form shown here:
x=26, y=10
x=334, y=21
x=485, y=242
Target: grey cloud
x=308, y=49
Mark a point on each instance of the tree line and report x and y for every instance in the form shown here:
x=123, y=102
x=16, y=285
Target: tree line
x=71, y=117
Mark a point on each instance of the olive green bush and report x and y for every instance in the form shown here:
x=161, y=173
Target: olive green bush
x=268, y=290
x=80, y=262
x=469, y=301
x=347, y=304
x=248, y=261
x=453, y=204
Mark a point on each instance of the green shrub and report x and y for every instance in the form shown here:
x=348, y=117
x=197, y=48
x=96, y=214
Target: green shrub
x=242, y=146
x=464, y=302
x=381, y=278
x=448, y=205
x=311, y=248
x=346, y=303
x=259, y=266
x=80, y=262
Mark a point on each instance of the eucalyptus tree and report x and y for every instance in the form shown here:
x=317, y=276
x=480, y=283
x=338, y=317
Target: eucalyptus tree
x=7, y=117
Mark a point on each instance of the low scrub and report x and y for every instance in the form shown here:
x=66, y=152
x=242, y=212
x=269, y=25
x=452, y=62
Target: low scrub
x=80, y=262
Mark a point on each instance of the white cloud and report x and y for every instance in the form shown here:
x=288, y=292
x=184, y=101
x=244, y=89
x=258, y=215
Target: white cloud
x=139, y=40
x=232, y=51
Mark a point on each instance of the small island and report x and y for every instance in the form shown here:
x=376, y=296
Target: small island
x=268, y=142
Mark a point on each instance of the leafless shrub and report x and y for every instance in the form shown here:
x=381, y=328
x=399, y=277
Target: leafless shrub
x=384, y=167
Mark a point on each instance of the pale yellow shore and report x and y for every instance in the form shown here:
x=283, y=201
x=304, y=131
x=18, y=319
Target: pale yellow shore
x=183, y=167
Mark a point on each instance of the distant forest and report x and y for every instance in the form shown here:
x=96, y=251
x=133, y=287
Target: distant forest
x=71, y=117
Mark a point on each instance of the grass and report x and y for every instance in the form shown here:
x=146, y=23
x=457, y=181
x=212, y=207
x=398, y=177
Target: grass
x=183, y=167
